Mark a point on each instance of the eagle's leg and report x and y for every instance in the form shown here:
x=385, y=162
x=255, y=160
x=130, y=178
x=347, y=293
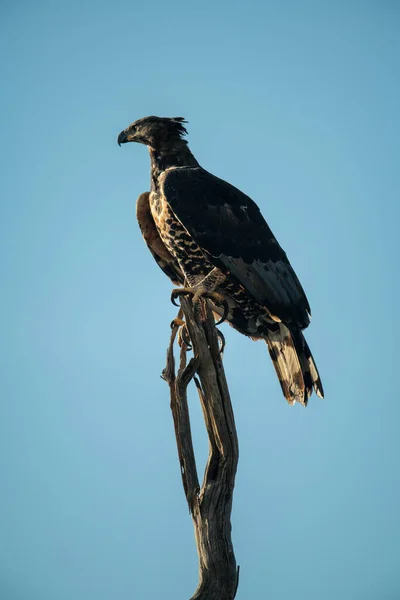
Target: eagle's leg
x=206, y=288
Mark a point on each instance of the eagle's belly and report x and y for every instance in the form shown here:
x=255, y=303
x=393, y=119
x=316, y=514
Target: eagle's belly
x=180, y=244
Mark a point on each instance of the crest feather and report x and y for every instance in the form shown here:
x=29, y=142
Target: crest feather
x=177, y=121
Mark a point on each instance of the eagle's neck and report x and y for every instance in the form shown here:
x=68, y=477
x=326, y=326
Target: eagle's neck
x=165, y=159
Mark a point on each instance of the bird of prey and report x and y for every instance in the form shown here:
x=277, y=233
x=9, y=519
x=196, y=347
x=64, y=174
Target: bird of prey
x=212, y=239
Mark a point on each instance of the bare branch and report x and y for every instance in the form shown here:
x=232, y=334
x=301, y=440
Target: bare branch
x=211, y=505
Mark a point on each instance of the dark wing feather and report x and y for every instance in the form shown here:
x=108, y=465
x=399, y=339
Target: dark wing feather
x=232, y=232
x=161, y=255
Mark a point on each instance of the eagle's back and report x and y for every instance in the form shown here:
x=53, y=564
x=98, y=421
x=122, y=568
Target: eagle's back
x=230, y=230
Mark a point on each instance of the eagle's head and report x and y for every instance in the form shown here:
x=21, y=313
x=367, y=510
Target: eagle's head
x=155, y=132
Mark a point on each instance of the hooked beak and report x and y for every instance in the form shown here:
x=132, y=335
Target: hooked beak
x=122, y=138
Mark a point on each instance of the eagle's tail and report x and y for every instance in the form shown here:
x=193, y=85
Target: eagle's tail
x=294, y=363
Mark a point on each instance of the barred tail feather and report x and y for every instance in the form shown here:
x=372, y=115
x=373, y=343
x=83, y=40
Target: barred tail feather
x=304, y=351
x=294, y=364
x=286, y=362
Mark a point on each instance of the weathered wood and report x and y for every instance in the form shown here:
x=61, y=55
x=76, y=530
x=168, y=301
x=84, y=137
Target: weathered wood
x=210, y=505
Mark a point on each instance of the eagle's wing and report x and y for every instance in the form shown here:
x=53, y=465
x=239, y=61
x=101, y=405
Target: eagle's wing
x=235, y=237
x=161, y=255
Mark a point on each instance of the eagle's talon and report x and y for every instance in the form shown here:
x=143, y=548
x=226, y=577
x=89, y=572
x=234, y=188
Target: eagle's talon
x=177, y=322
x=186, y=338
x=181, y=292
x=219, y=300
x=183, y=338
x=174, y=296
x=221, y=338
x=225, y=313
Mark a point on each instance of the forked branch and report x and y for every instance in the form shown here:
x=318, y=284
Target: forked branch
x=210, y=505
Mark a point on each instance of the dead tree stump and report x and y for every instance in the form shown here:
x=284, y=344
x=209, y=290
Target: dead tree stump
x=210, y=505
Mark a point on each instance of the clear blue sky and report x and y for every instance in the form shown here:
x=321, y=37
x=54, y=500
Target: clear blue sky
x=297, y=104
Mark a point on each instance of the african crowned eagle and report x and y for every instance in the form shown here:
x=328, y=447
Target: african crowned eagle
x=211, y=238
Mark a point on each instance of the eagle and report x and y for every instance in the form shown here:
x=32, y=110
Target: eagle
x=211, y=239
